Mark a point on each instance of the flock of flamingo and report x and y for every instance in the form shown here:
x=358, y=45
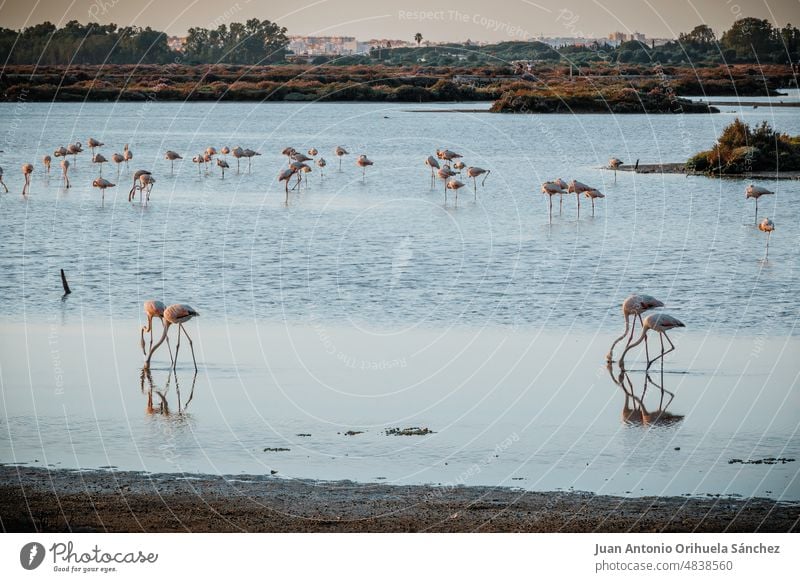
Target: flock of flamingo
x=445, y=165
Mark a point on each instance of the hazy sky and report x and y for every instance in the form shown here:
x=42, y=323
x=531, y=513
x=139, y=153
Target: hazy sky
x=494, y=20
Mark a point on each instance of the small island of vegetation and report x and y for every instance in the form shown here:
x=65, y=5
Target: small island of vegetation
x=742, y=150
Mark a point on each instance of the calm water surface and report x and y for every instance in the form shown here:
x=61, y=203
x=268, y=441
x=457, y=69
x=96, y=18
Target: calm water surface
x=370, y=305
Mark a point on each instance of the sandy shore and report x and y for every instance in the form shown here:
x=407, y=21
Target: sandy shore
x=680, y=168
x=33, y=499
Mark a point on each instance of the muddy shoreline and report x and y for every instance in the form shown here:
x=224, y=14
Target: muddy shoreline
x=35, y=499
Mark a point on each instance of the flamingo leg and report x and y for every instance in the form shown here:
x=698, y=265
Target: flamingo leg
x=766, y=255
x=191, y=347
x=578, y=196
x=560, y=203
x=610, y=355
x=663, y=352
x=340, y=163
x=550, y=204
x=755, y=221
x=4, y=185
x=177, y=347
x=592, y=206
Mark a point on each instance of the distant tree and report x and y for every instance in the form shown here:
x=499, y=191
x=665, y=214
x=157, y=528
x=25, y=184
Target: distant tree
x=701, y=36
x=751, y=37
x=418, y=38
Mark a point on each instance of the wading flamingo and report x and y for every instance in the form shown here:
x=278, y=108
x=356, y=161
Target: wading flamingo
x=27, y=170
x=102, y=183
x=565, y=187
x=172, y=156
x=454, y=185
x=578, y=188
x=199, y=159
x=223, y=166
x=313, y=152
x=447, y=155
x=615, y=163
x=46, y=161
x=60, y=152
x=592, y=194
x=73, y=150
x=445, y=173
x=117, y=159
x=176, y=314
x=767, y=226
x=660, y=323
x=362, y=162
x=225, y=151
x=127, y=154
x=93, y=143
x=633, y=306
x=153, y=309
x=473, y=172
x=64, y=170
x=433, y=164
x=340, y=151
x=285, y=176
x=99, y=159
x=237, y=153
x=321, y=163
x=550, y=189
x=249, y=154
x=138, y=184
x=756, y=192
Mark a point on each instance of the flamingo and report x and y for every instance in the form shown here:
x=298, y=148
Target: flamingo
x=138, y=183
x=299, y=157
x=592, y=194
x=117, y=159
x=127, y=154
x=74, y=149
x=459, y=165
x=211, y=151
x=27, y=169
x=64, y=170
x=248, y=153
x=237, y=153
x=102, y=183
x=153, y=308
x=298, y=168
x=288, y=152
x=60, y=152
x=551, y=189
x=340, y=151
x=634, y=305
x=660, y=323
x=578, y=188
x=473, y=172
x=1, y=180
x=285, y=176
x=313, y=152
x=756, y=192
x=225, y=151
x=615, y=163
x=223, y=166
x=433, y=164
x=146, y=182
x=447, y=155
x=363, y=161
x=176, y=314
x=99, y=159
x=93, y=143
x=565, y=187
x=445, y=173
x=46, y=161
x=172, y=156
x=454, y=185
x=767, y=226
x=199, y=159
x=321, y=163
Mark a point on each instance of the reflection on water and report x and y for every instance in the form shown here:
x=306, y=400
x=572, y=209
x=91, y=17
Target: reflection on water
x=634, y=410
x=162, y=405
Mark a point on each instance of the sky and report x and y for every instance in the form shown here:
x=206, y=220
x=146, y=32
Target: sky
x=478, y=20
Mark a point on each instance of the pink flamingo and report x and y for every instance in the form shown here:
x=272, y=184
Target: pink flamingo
x=633, y=306
x=363, y=161
x=102, y=183
x=27, y=170
x=176, y=314
x=756, y=192
x=767, y=226
x=474, y=172
x=153, y=309
x=433, y=164
x=550, y=189
x=660, y=323
x=64, y=170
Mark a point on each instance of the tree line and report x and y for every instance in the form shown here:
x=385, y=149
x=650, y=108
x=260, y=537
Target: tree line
x=253, y=42
x=264, y=42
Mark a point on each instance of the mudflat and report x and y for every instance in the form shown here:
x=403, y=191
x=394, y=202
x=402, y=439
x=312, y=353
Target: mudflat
x=35, y=499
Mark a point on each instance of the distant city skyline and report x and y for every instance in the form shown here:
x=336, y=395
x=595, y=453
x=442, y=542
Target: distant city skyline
x=478, y=20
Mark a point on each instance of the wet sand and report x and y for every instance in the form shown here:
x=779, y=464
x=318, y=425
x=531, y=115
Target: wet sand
x=57, y=501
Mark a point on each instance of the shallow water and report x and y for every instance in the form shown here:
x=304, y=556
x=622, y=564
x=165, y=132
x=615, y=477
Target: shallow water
x=386, y=265
x=518, y=408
